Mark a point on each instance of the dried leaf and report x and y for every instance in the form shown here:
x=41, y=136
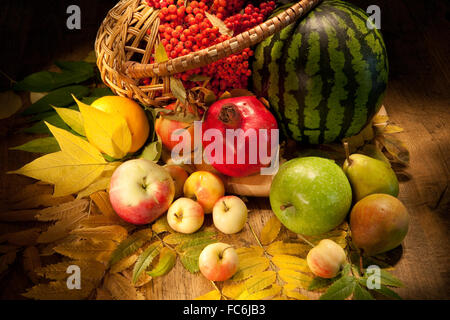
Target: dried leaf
x=145, y=259
x=130, y=245
x=178, y=90
x=115, y=233
x=125, y=263
x=41, y=200
x=29, y=191
x=167, y=259
x=261, y=295
x=380, y=119
x=280, y=247
x=390, y=128
x=23, y=238
x=283, y=261
x=87, y=250
x=58, y=290
x=212, y=295
x=101, y=200
x=300, y=280
x=6, y=260
x=235, y=93
x=20, y=215
x=72, y=118
x=249, y=267
x=121, y=288
x=102, y=294
x=70, y=170
x=260, y=281
x=63, y=211
x=31, y=262
x=270, y=231
x=161, y=225
x=62, y=228
x=107, y=131
x=216, y=22
x=232, y=290
x=396, y=148
x=161, y=54
x=90, y=270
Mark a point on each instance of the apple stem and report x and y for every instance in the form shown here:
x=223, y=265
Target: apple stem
x=225, y=206
x=347, y=153
x=223, y=252
x=284, y=207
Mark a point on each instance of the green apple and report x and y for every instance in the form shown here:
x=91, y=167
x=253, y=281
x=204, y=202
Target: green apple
x=310, y=195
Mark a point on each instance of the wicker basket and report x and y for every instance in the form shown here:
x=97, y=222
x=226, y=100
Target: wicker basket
x=124, y=49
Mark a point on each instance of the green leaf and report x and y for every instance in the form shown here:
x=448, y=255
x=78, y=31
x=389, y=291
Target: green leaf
x=178, y=238
x=59, y=98
x=340, y=290
x=45, y=81
x=101, y=92
x=361, y=294
x=10, y=103
x=145, y=259
x=189, y=259
x=386, y=279
x=130, y=245
x=319, y=283
x=166, y=262
x=73, y=119
x=161, y=54
x=41, y=145
x=152, y=152
x=41, y=127
x=385, y=291
x=177, y=89
x=195, y=243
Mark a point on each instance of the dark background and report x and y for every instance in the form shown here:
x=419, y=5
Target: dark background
x=34, y=33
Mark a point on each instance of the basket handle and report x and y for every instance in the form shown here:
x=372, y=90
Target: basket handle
x=221, y=50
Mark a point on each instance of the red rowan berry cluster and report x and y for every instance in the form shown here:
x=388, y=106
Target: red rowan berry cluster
x=185, y=28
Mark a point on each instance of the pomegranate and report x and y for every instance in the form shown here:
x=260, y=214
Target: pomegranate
x=246, y=128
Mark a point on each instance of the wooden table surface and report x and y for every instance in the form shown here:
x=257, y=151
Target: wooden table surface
x=417, y=99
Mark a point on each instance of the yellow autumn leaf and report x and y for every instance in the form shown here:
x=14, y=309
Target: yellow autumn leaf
x=291, y=292
x=121, y=288
x=161, y=225
x=41, y=200
x=72, y=169
x=392, y=129
x=101, y=200
x=261, y=295
x=283, y=261
x=62, y=211
x=270, y=231
x=108, y=132
x=260, y=281
x=72, y=118
x=62, y=228
x=232, y=290
x=253, y=251
x=100, y=184
x=298, y=279
x=87, y=250
x=280, y=247
x=115, y=233
x=249, y=267
x=90, y=270
x=212, y=295
x=58, y=290
x=125, y=263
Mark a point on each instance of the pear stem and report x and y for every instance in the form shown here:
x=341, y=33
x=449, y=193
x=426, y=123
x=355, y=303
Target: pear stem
x=347, y=153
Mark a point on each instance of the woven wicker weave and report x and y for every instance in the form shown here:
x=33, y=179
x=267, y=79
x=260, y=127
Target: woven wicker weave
x=124, y=49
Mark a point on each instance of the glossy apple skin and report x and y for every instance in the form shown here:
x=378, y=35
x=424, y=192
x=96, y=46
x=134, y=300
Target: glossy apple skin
x=185, y=216
x=379, y=223
x=240, y=113
x=204, y=187
x=326, y=259
x=179, y=177
x=230, y=214
x=218, y=262
x=165, y=127
x=134, y=203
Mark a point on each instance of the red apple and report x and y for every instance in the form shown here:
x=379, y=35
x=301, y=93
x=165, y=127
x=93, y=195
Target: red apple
x=326, y=259
x=179, y=176
x=185, y=216
x=141, y=191
x=165, y=128
x=205, y=187
x=240, y=156
x=218, y=262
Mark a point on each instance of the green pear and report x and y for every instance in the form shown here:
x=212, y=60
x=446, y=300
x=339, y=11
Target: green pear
x=368, y=176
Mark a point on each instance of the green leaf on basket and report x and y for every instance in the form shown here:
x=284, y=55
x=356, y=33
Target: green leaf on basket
x=177, y=89
x=340, y=290
x=72, y=72
x=41, y=145
x=73, y=119
x=145, y=259
x=58, y=98
x=161, y=54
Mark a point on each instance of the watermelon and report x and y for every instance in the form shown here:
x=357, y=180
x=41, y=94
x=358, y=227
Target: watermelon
x=325, y=75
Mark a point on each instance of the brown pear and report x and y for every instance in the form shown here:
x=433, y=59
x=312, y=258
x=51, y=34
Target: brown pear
x=379, y=223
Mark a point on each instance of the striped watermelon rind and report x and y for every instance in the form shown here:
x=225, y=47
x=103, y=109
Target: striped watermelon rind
x=324, y=76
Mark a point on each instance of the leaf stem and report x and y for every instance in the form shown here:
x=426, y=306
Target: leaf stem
x=305, y=240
